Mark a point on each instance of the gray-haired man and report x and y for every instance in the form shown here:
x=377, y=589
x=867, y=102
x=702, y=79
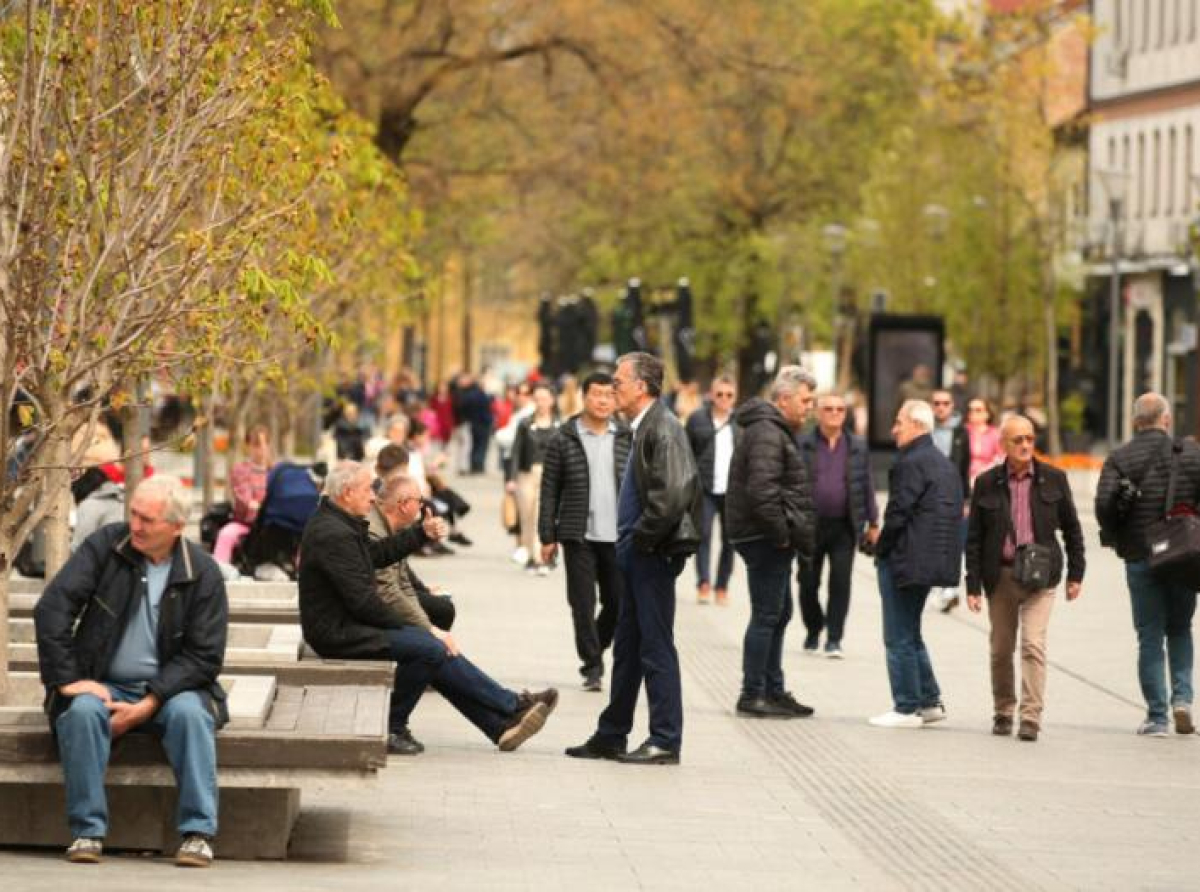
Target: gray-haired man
x=131, y=636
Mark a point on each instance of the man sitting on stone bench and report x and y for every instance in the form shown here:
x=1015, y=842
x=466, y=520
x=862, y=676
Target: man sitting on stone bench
x=345, y=617
x=150, y=641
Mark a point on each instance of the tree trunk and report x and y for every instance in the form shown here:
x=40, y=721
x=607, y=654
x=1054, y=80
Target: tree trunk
x=1053, y=431
x=5, y=572
x=57, y=493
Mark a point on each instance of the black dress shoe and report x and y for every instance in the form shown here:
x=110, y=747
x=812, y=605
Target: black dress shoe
x=762, y=708
x=1002, y=726
x=791, y=704
x=526, y=699
x=650, y=754
x=402, y=743
x=594, y=749
x=460, y=539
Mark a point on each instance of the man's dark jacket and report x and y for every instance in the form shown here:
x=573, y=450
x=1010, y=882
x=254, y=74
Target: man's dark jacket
x=702, y=436
x=770, y=496
x=340, y=610
x=960, y=456
x=81, y=619
x=668, y=486
x=920, y=539
x=1146, y=460
x=860, y=490
x=566, y=483
x=1052, y=509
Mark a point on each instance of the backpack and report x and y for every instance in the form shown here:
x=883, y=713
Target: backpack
x=291, y=498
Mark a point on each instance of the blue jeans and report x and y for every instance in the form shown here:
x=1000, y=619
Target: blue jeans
x=188, y=733
x=1161, y=610
x=713, y=507
x=769, y=574
x=644, y=648
x=421, y=660
x=910, y=672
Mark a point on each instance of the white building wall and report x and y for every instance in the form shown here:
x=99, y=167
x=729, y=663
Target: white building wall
x=1144, y=45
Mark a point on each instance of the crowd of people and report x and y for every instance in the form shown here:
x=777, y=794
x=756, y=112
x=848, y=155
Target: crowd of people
x=628, y=492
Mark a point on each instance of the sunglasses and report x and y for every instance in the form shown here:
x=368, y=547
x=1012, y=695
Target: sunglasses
x=722, y=396
x=1021, y=439
x=833, y=408
x=942, y=402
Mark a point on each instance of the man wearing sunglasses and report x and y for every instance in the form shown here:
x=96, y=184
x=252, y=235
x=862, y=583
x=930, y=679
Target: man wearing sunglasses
x=1017, y=504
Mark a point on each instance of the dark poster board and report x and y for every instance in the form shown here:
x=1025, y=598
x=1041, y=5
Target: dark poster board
x=906, y=358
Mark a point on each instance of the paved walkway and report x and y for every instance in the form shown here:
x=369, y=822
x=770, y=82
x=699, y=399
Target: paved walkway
x=828, y=803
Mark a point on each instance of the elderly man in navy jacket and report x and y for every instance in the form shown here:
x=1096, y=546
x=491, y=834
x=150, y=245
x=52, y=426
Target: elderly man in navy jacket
x=920, y=547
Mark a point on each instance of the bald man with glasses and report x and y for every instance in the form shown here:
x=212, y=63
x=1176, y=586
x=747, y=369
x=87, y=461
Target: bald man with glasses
x=1018, y=504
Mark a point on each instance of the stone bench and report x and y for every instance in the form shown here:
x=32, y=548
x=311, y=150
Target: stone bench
x=252, y=649
x=283, y=738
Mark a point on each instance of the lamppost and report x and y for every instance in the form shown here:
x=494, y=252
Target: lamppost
x=1114, y=183
x=835, y=243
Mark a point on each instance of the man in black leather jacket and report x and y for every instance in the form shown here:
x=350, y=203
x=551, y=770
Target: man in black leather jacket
x=658, y=526
x=771, y=518
x=1163, y=609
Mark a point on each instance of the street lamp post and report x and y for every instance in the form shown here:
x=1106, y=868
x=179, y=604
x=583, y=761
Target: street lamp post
x=1114, y=183
x=835, y=243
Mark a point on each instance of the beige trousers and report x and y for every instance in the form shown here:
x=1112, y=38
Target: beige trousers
x=1012, y=608
x=529, y=488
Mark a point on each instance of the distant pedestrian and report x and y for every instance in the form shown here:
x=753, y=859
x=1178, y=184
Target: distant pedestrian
x=658, y=520
x=839, y=465
x=771, y=521
x=919, y=547
x=951, y=439
x=983, y=437
x=581, y=476
x=524, y=473
x=1132, y=495
x=712, y=433
x=1016, y=508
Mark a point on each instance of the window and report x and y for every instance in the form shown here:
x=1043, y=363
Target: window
x=1155, y=175
x=1169, y=198
x=1161, y=23
x=1140, y=198
x=1147, y=6
x=1112, y=153
x=1118, y=23
x=1189, y=172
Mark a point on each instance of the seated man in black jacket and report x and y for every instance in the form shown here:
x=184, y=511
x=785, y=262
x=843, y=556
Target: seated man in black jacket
x=131, y=636
x=344, y=617
x=1015, y=504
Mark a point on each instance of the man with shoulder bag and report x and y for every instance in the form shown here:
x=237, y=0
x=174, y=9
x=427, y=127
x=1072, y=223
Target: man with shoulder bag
x=1013, y=554
x=1131, y=506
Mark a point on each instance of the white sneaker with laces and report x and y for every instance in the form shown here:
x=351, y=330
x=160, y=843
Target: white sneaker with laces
x=194, y=851
x=85, y=850
x=893, y=719
x=521, y=556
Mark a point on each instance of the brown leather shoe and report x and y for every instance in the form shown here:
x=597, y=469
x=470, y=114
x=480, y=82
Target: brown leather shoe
x=1028, y=731
x=1002, y=725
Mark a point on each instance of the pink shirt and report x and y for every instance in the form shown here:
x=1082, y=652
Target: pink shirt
x=1020, y=488
x=249, y=484
x=986, y=451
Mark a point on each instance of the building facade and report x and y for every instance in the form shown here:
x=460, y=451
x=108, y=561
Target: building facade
x=1144, y=193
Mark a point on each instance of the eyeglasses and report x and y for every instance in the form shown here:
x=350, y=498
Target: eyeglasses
x=833, y=408
x=1021, y=439
x=724, y=395
x=942, y=403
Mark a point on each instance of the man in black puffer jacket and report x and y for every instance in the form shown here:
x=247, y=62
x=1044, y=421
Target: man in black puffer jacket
x=920, y=547
x=771, y=518
x=581, y=476
x=1162, y=609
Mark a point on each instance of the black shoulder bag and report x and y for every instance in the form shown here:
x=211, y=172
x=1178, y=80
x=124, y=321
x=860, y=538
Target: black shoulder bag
x=1175, y=540
x=1032, y=563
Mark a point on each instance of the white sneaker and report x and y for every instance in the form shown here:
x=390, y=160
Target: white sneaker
x=543, y=570
x=895, y=719
x=931, y=714
x=521, y=556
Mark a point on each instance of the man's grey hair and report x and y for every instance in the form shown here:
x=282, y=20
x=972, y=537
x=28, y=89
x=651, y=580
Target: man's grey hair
x=394, y=485
x=176, y=497
x=342, y=477
x=790, y=378
x=647, y=369
x=919, y=413
x=1149, y=409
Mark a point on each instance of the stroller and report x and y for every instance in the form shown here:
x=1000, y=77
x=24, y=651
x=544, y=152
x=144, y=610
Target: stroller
x=292, y=494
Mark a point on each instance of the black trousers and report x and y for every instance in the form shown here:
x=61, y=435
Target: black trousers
x=439, y=609
x=836, y=542
x=592, y=565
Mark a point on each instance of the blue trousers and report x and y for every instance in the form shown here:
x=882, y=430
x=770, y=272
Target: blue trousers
x=910, y=671
x=422, y=660
x=769, y=574
x=1162, y=614
x=188, y=733
x=713, y=507
x=644, y=649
